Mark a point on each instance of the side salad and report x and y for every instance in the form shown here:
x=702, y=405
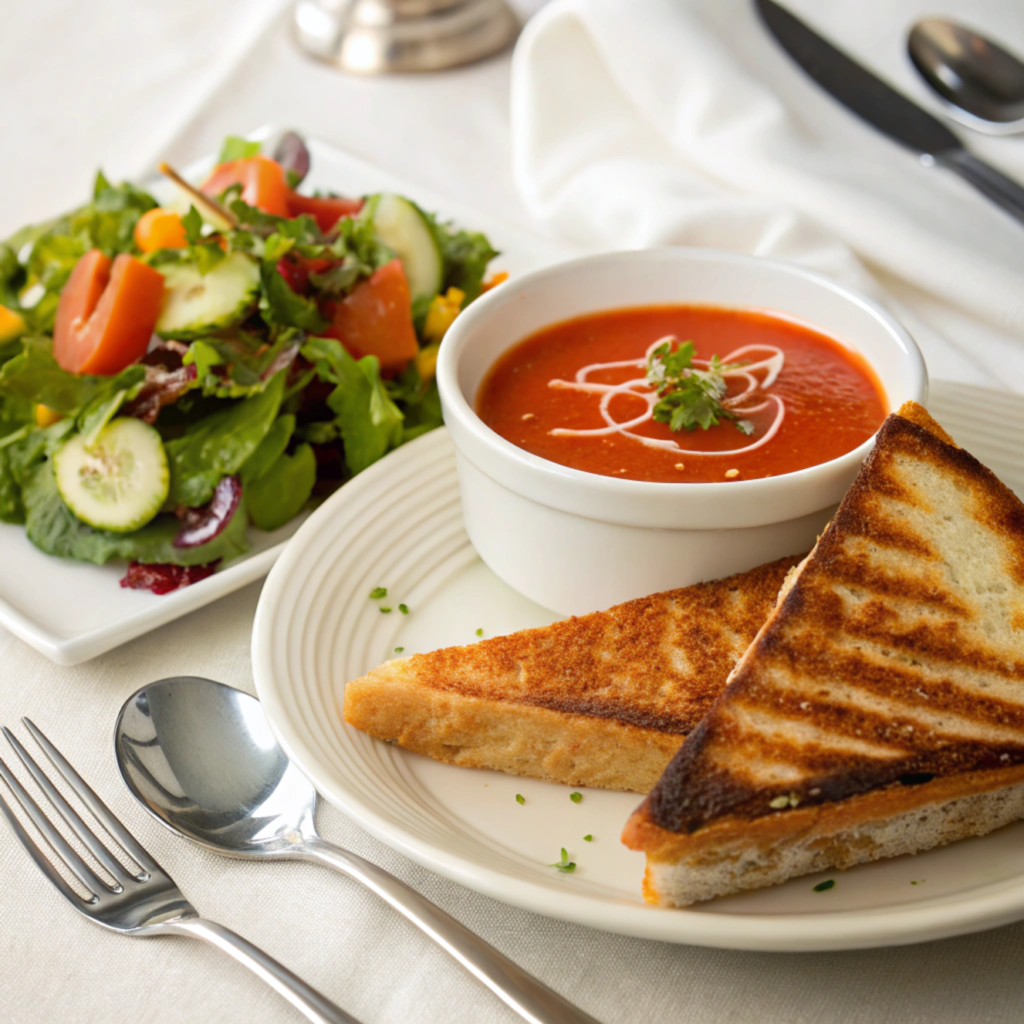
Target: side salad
x=171, y=376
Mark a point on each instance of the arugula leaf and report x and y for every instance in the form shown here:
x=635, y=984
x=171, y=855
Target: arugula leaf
x=99, y=414
x=193, y=225
x=280, y=305
x=52, y=528
x=466, y=255
x=369, y=421
x=421, y=404
x=236, y=148
x=35, y=376
x=262, y=225
x=270, y=449
x=339, y=279
x=219, y=444
x=240, y=366
x=356, y=239
x=278, y=495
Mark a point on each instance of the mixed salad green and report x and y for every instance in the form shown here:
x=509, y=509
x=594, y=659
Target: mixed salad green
x=172, y=376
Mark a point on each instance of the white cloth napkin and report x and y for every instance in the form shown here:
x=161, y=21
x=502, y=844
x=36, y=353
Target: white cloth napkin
x=684, y=122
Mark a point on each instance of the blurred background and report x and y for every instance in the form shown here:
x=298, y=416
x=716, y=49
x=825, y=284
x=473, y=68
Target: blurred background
x=121, y=84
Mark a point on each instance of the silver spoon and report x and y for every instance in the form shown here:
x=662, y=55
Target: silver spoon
x=201, y=758
x=981, y=84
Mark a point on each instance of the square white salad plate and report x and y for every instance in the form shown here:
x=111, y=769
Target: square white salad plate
x=73, y=611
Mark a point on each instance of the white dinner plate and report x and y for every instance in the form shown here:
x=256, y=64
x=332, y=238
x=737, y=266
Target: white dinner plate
x=73, y=611
x=399, y=526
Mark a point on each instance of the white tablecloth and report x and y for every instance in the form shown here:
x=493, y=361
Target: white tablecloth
x=115, y=83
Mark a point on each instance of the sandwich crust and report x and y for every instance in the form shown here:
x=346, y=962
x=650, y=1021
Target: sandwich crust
x=596, y=700
x=735, y=854
x=893, y=663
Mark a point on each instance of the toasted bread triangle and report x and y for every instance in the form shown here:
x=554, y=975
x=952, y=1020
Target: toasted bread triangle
x=880, y=710
x=597, y=700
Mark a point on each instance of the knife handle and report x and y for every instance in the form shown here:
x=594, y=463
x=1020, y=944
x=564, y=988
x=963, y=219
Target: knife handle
x=986, y=179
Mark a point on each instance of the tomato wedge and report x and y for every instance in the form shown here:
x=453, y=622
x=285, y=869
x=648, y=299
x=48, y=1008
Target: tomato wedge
x=262, y=180
x=106, y=314
x=326, y=210
x=375, y=319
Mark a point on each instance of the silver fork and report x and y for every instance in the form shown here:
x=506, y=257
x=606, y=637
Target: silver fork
x=145, y=904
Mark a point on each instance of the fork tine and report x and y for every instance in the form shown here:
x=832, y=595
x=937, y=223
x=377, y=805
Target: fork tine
x=36, y=854
x=68, y=813
x=99, y=809
x=76, y=865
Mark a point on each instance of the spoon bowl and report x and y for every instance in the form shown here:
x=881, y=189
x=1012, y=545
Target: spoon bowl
x=981, y=84
x=201, y=758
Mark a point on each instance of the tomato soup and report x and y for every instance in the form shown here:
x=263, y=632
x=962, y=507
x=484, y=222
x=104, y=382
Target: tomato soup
x=578, y=393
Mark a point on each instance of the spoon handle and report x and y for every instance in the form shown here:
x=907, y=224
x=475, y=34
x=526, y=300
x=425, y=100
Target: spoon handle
x=310, y=1003
x=993, y=184
x=530, y=998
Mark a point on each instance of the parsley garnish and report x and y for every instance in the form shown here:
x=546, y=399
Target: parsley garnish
x=378, y=592
x=588, y=838
x=564, y=864
x=404, y=609
x=825, y=886
x=687, y=397
x=398, y=650
x=520, y=799
x=575, y=797
x=386, y=611
x=480, y=631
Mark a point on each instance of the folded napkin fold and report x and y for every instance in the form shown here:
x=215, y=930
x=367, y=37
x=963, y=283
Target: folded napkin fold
x=683, y=122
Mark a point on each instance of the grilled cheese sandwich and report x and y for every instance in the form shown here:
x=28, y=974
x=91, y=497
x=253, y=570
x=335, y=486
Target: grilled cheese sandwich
x=880, y=710
x=598, y=700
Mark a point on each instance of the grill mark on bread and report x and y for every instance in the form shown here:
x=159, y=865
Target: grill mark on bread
x=879, y=677
x=599, y=700
x=657, y=662
x=919, y=660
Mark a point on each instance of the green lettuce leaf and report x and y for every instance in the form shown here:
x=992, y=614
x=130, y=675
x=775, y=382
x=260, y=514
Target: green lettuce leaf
x=421, y=405
x=280, y=305
x=21, y=453
x=53, y=529
x=279, y=493
x=369, y=421
x=219, y=444
x=240, y=366
x=34, y=376
x=270, y=449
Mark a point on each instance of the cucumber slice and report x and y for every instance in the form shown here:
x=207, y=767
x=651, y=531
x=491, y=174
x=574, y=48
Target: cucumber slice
x=121, y=482
x=196, y=304
x=401, y=226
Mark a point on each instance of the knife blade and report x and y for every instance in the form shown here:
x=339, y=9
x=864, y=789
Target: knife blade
x=885, y=109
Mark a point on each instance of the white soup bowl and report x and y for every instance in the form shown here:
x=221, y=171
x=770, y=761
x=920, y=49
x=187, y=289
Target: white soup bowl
x=576, y=542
